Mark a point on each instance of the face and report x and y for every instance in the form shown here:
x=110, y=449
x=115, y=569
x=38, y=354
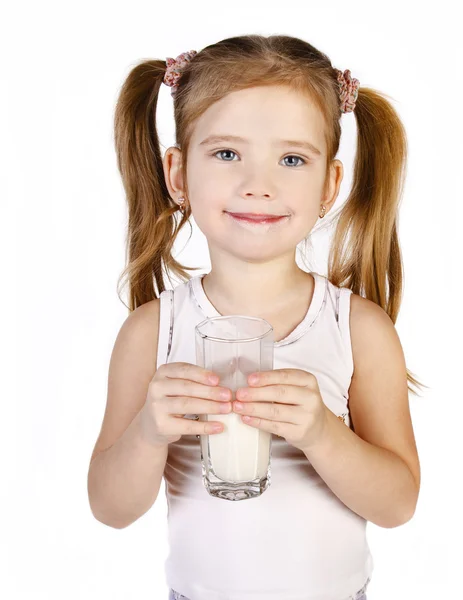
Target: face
x=260, y=174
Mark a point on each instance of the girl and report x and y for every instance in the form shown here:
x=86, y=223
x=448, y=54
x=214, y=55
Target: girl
x=257, y=129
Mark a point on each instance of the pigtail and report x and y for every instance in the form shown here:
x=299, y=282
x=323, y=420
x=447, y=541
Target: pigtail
x=365, y=255
x=152, y=226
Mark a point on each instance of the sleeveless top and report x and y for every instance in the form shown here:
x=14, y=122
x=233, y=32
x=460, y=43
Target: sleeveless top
x=297, y=541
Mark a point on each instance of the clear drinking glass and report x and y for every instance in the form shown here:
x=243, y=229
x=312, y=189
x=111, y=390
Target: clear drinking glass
x=235, y=462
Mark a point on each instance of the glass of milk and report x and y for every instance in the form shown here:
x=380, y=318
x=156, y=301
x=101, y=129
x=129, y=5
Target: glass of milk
x=235, y=462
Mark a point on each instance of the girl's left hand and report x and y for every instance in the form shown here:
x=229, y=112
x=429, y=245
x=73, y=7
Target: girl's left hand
x=286, y=402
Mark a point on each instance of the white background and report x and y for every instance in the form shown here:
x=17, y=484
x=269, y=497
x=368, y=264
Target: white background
x=63, y=229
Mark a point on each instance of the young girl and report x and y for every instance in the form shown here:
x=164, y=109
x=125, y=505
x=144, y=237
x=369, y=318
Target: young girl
x=257, y=129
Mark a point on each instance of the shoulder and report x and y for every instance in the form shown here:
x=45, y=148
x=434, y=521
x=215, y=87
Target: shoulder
x=372, y=333
x=146, y=312
x=365, y=315
x=143, y=317
x=366, y=309
x=139, y=332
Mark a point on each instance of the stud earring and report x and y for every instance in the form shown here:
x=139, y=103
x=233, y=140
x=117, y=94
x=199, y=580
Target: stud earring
x=323, y=211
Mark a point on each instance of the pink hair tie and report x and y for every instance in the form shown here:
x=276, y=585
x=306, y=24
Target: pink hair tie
x=348, y=87
x=174, y=69
x=348, y=90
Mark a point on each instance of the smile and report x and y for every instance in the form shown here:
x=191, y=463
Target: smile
x=258, y=221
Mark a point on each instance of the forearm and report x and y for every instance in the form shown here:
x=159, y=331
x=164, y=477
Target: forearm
x=373, y=482
x=124, y=480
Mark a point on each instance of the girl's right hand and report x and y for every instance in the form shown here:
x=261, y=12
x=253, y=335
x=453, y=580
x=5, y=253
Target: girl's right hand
x=178, y=389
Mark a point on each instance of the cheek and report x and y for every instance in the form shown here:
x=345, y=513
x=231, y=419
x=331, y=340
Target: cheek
x=207, y=208
x=210, y=195
x=303, y=223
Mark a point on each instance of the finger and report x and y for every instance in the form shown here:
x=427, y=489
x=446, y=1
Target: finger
x=296, y=377
x=189, y=371
x=191, y=427
x=186, y=405
x=284, y=394
x=181, y=387
x=270, y=411
x=185, y=387
x=275, y=427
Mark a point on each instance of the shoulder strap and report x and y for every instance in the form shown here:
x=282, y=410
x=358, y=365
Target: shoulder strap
x=166, y=326
x=343, y=319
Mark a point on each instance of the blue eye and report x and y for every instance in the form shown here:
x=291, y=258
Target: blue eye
x=227, y=150
x=298, y=157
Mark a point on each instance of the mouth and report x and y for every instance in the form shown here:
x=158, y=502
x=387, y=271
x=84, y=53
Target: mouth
x=257, y=218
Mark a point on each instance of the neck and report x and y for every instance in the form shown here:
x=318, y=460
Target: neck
x=263, y=294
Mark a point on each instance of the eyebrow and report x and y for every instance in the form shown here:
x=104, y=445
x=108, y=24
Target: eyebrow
x=212, y=139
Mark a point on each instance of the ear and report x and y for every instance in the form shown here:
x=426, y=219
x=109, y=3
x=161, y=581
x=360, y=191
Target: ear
x=172, y=165
x=335, y=178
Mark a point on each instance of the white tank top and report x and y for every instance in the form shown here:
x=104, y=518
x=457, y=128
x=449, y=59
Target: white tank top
x=297, y=541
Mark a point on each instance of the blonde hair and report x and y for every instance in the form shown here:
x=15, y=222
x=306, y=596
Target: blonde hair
x=365, y=254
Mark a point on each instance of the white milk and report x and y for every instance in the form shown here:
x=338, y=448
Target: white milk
x=241, y=452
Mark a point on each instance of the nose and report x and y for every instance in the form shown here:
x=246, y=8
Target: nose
x=257, y=183
x=252, y=195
